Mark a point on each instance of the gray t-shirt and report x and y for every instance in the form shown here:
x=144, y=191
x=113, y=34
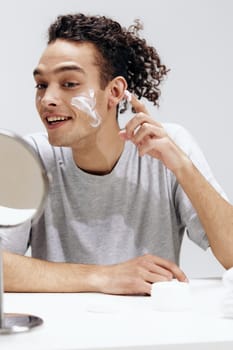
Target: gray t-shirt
x=136, y=209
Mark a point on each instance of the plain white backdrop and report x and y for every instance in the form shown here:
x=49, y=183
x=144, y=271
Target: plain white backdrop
x=194, y=39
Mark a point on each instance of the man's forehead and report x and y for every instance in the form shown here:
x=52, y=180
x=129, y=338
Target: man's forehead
x=63, y=53
x=58, y=68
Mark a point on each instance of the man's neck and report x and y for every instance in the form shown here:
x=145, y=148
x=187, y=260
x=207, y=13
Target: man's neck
x=100, y=154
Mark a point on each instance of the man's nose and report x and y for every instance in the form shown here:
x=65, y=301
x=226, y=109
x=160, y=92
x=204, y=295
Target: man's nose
x=50, y=97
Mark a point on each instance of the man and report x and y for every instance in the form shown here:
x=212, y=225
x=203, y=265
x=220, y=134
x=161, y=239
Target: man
x=120, y=201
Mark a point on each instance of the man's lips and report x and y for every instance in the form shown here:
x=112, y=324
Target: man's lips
x=53, y=120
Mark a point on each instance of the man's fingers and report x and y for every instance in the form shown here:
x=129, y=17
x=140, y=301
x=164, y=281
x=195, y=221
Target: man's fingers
x=170, y=266
x=141, y=117
x=136, y=104
x=158, y=270
x=123, y=134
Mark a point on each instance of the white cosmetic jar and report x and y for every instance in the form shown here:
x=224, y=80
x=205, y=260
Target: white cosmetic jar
x=171, y=296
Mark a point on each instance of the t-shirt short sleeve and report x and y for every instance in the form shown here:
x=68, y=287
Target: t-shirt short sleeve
x=188, y=216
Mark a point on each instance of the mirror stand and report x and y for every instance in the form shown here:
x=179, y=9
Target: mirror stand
x=14, y=323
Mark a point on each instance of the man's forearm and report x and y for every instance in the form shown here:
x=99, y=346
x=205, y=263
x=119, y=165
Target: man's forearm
x=26, y=274
x=215, y=213
x=135, y=276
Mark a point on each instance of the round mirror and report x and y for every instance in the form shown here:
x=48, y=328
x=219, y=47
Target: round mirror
x=23, y=189
x=23, y=181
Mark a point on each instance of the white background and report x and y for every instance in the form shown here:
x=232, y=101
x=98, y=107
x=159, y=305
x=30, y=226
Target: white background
x=194, y=39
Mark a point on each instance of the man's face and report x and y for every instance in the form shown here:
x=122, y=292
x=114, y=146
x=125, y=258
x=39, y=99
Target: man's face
x=67, y=70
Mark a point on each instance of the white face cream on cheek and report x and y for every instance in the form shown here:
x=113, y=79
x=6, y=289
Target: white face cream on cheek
x=86, y=102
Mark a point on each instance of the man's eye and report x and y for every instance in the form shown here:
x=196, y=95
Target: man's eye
x=40, y=86
x=70, y=84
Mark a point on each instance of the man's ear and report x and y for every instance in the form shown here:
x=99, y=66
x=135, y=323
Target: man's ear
x=117, y=89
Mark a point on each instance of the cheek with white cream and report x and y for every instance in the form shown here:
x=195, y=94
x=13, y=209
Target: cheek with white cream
x=86, y=102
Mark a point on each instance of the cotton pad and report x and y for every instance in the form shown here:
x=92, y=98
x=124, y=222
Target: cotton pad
x=171, y=296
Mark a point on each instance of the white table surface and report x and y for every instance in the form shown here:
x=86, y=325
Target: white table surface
x=98, y=321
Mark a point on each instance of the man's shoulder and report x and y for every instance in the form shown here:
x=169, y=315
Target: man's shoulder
x=181, y=136
x=40, y=142
x=38, y=138
x=47, y=152
x=175, y=130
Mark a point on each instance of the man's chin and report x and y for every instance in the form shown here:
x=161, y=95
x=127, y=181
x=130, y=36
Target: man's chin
x=54, y=141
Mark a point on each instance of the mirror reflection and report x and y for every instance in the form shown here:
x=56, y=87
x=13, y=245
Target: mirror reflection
x=23, y=182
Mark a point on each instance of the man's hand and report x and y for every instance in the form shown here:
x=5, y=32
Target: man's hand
x=136, y=276
x=151, y=138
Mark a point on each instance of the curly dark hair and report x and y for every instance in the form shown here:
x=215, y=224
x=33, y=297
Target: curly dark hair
x=123, y=52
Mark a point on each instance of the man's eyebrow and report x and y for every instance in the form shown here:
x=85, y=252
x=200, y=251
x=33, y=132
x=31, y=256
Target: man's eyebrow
x=61, y=69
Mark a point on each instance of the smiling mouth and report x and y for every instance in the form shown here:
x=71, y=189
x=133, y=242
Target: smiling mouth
x=56, y=120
